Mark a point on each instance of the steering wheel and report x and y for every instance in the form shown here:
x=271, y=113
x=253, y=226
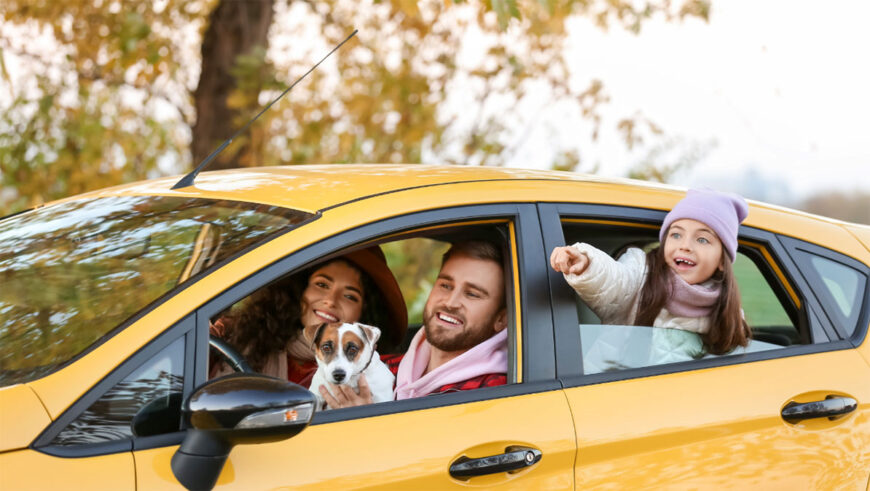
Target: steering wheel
x=229, y=355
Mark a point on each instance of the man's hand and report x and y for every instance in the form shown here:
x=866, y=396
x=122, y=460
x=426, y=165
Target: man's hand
x=347, y=397
x=568, y=260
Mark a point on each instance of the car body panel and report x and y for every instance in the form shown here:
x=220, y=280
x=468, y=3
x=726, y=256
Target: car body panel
x=22, y=417
x=317, y=188
x=861, y=232
x=30, y=469
x=371, y=453
x=682, y=430
x=639, y=432
x=311, y=188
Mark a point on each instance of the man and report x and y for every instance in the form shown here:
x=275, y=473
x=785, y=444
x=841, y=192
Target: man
x=463, y=343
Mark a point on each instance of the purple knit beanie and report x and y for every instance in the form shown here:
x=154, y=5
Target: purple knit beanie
x=723, y=212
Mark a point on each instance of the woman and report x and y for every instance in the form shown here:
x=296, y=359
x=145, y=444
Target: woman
x=267, y=326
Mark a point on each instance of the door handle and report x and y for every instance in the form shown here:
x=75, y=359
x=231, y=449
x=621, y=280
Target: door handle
x=830, y=408
x=514, y=458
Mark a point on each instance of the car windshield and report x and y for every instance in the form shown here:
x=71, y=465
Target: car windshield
x=73, y=272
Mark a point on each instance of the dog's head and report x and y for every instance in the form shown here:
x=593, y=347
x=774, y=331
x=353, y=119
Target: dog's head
x=342, y=350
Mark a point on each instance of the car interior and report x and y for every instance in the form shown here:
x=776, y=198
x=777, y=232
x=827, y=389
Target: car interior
x=414, y=257
x=769, y=307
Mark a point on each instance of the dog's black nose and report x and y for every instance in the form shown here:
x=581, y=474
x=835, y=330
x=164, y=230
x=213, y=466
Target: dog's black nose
x=338, y=375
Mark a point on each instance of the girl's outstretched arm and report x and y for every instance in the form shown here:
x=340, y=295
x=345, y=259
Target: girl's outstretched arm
x=608, y=286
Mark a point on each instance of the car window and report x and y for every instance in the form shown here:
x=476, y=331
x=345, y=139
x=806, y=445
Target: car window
x=768, y=307
x=413, y=257
x=841, y=285
x=74, y=271
x=762, y=309
x=616, y=347
x=147, y=402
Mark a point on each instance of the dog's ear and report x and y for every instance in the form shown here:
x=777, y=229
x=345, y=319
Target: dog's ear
x=312, y=333
x=372, y=333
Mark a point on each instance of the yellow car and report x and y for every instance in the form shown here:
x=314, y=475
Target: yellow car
x=106, y=301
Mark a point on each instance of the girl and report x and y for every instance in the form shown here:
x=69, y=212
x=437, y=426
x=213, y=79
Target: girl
x=687, y=282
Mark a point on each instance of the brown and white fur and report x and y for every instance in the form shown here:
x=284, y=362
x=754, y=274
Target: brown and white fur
x=344, y=351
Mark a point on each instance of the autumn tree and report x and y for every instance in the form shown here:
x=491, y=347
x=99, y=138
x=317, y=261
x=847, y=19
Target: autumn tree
x=106, y=91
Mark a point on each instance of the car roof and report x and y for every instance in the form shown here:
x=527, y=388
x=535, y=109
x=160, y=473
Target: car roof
x=315, y=188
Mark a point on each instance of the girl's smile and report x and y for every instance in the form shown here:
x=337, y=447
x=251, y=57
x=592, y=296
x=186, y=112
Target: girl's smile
x=692, y=250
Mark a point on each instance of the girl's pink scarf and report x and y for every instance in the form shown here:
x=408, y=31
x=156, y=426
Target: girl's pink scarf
x=489, y=356
x=691, y=300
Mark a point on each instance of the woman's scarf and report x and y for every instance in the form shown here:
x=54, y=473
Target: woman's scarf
x=299, y=349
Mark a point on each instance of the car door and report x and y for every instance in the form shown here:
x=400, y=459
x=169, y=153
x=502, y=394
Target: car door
x=413, y=443
x=717, y=421
x=90, y=445
x=95, y=309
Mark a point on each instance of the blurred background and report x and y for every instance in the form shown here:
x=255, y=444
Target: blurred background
x=767, y=99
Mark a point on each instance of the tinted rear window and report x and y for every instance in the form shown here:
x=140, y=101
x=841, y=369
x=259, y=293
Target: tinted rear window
x=73, y=272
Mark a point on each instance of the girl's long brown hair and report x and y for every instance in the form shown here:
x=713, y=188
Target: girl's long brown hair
x=727, y=327
x=269, y=318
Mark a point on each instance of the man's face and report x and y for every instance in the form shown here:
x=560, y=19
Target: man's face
x=465, y=305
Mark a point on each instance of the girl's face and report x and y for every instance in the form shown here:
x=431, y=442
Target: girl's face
x=334, y=294
x=692, y=250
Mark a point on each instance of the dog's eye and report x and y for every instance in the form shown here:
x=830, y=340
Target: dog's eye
x=326, y=348
x=351, y=350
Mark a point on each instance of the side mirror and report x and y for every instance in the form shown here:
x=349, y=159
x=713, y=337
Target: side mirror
x=240, y=408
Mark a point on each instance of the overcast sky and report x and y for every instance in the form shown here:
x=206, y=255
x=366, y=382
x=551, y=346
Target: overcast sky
x=777, y=92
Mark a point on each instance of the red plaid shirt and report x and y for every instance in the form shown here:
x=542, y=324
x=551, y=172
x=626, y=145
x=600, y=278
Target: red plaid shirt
x=486, y=380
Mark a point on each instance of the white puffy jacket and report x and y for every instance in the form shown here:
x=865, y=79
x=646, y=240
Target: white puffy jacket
x=611, y=288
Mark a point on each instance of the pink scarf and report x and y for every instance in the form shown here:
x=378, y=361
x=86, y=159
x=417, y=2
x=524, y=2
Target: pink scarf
x=489, y=356
x=691, y=300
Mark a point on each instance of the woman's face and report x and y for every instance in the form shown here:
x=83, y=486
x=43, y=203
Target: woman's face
x=334, y=294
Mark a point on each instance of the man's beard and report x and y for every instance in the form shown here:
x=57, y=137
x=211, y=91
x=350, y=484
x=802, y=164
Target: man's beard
x=459, y=339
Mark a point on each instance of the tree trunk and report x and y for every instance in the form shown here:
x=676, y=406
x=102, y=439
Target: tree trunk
x=235, y=28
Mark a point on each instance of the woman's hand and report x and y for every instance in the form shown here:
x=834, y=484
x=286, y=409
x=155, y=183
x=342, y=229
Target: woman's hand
x=568, y=260
x=346, y=396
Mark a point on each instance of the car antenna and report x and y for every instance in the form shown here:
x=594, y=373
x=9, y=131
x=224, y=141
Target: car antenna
x=188, y=179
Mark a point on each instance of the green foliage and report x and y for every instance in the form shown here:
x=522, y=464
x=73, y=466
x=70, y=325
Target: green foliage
x=113, y=100
x=49, y=150
x=415, y=263
x=760, y=305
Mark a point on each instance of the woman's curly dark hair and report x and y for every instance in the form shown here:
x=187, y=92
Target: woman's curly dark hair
x=269, y=318
x=266, y=320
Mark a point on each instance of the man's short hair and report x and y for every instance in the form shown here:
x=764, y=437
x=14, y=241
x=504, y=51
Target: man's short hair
x=478, y=249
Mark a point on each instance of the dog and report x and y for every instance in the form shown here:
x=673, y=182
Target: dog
x=344, y=351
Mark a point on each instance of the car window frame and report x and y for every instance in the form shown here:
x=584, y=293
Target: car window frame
x=760, y=255
x=801, y=251
x=185, y=328
x=568, y=357
x=536, y=343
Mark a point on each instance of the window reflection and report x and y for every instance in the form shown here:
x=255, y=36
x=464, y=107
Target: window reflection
x=72, y=272
x=110, y=417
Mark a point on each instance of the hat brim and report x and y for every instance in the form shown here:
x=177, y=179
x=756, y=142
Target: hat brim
x=372, y=261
